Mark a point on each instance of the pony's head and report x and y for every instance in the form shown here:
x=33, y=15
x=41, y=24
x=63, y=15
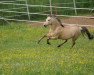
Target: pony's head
x=52, y=19
x=48, y=21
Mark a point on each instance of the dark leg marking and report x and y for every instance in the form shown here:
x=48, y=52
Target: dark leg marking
x=41, y=38
x=62, y=43
x=73, y=45
x=48, y=41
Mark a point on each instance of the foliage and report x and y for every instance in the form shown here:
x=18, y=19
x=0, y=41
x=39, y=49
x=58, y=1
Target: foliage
x=89, y=4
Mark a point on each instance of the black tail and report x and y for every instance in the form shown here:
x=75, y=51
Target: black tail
x=85, y=30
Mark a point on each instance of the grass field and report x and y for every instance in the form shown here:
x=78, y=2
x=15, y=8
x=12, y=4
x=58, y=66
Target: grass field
x=21, y=55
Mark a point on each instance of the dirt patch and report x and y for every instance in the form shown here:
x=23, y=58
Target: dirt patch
x=80, y=21
x=37, y=24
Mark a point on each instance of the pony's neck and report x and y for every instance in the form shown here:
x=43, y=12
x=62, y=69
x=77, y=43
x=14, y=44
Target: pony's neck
x=54, y=25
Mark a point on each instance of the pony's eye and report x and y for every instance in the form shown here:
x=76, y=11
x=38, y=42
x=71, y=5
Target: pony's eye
x=48, y=20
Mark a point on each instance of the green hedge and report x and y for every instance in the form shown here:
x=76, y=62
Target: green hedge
x=90, y=4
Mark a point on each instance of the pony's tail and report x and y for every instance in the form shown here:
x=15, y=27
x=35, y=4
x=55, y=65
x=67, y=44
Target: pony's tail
x=85, y=30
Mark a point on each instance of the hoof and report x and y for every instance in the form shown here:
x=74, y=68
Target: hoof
x=48, y=43
x=58, y=46
x=38, y=42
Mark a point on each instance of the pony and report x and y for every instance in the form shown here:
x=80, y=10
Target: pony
x=64, y=32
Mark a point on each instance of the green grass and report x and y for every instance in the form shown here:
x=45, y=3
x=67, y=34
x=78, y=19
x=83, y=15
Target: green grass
x=21, y=55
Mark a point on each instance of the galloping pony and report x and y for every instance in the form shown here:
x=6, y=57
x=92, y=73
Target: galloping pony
x=64, y=32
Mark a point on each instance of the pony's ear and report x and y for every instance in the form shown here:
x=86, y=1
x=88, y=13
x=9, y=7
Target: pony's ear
x=49, y=15
x=54, y=15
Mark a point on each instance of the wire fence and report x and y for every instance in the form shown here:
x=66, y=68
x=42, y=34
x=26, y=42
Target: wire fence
x=24, y=10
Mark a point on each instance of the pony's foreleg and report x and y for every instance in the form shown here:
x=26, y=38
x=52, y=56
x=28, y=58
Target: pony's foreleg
x=62, y=43
x=48, y=41
x=51, y=38
x=41, y=38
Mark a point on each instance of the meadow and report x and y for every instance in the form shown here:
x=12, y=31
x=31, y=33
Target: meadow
x=21, y=55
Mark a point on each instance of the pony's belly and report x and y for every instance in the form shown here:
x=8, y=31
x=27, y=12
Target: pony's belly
x=68, y=33
x=64, y=37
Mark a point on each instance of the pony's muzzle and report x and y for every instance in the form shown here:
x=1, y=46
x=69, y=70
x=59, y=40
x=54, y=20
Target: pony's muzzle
x=45, y=26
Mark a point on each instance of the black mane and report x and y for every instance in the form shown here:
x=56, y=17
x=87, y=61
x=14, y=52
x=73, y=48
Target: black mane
x=60, y=21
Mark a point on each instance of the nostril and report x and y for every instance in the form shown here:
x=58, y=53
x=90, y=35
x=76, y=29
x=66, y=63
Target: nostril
x=44, y=25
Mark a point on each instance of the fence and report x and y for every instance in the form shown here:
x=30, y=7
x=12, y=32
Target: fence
x=22, y=11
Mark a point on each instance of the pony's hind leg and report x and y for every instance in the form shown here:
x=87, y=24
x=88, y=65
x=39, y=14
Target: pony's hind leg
x=73, y=42
x=73, y=45
x=62, y=43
